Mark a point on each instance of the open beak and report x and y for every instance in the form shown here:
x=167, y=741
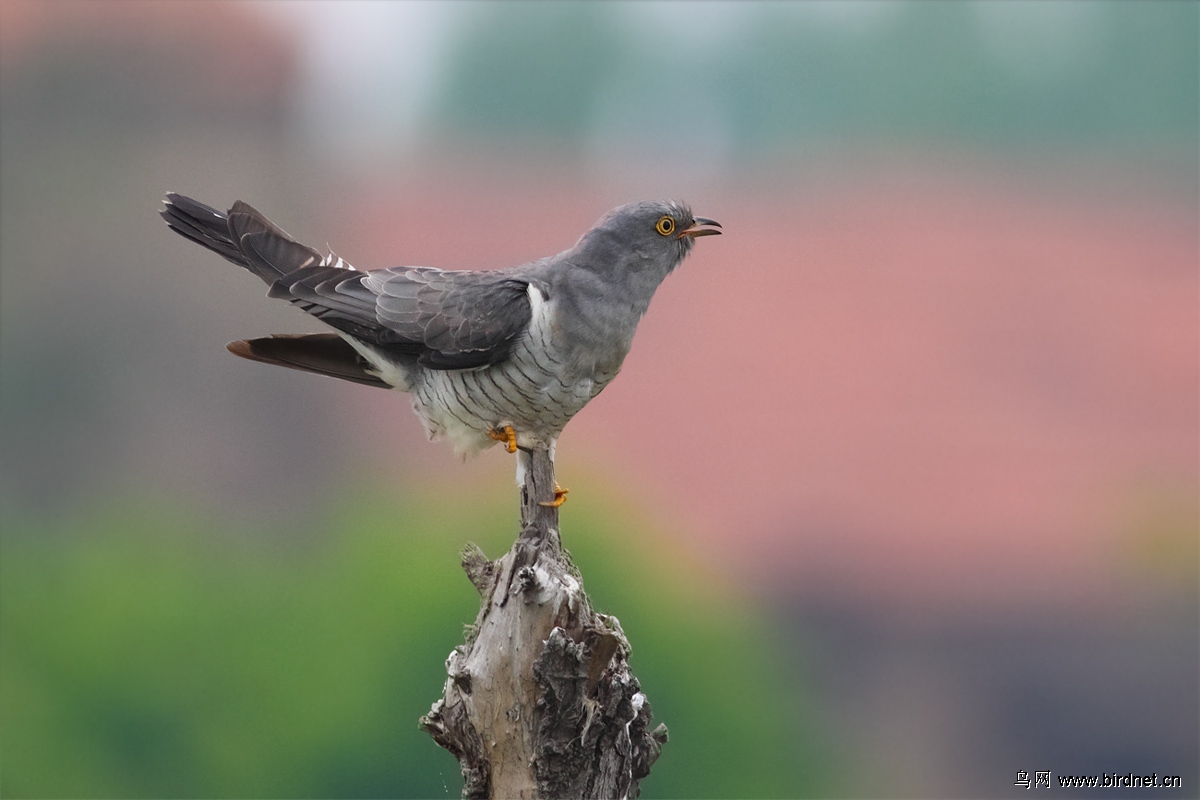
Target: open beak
x=701, y=227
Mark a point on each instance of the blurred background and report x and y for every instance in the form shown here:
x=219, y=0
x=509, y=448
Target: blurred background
x=895, y=497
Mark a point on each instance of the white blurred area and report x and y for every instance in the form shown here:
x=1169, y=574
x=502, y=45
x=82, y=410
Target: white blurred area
x=372, y=72
x=368, y=71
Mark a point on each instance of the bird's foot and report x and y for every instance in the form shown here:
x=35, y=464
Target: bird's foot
x=506, y=435
x=560, y=497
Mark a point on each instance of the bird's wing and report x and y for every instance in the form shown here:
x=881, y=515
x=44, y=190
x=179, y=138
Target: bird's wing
x=462, y=319
x=446, y=319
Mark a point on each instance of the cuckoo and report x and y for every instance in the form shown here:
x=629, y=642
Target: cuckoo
x=490, y=356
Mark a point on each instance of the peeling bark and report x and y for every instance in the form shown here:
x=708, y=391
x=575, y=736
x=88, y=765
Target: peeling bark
x=540, y=701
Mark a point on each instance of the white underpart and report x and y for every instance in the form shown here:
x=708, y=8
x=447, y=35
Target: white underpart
x=387, y=370
x=536, y=390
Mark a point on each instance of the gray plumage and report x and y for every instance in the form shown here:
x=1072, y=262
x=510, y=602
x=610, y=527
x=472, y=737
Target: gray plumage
x=525, y=347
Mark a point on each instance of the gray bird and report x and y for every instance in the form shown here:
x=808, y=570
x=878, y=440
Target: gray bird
x=507, y=355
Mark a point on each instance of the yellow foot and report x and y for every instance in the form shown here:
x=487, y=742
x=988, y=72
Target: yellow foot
x=560, y=497
x=506, y=435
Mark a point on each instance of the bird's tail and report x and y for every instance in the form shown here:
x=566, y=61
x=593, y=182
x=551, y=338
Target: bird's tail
x=319, y=353
x=243, y=236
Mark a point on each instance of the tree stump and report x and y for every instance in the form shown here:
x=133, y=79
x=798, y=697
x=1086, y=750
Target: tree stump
x=540, y=701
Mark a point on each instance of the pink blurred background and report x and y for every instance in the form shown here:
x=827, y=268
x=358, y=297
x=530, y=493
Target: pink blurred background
x=931, y=401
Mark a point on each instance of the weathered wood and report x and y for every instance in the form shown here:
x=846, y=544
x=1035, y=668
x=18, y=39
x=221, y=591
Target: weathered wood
x=540, y=701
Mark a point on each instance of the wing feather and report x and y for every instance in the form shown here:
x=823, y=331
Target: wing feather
x=446, y=319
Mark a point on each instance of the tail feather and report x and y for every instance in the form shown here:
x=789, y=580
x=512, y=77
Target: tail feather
x=272, y=256
x=243, y=236
x=320, y=353
x=244, y=218
x=253, y=242
x=203, y=225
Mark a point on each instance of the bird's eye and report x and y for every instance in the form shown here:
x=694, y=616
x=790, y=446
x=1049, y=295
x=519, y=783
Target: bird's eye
x=665, y=226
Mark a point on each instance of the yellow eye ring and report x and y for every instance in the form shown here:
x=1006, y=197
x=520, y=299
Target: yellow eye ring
x=665, y=226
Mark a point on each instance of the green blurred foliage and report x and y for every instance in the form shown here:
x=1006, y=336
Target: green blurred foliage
x=998, y=74
x=146, y=655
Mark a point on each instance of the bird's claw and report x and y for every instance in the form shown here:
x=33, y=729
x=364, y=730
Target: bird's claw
x=560, y=497
x=506, y=435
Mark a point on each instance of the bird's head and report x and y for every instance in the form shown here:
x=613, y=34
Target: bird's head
x=658, y=232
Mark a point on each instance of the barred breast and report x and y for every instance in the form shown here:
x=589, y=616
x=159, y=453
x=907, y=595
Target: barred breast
x=536, y=390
